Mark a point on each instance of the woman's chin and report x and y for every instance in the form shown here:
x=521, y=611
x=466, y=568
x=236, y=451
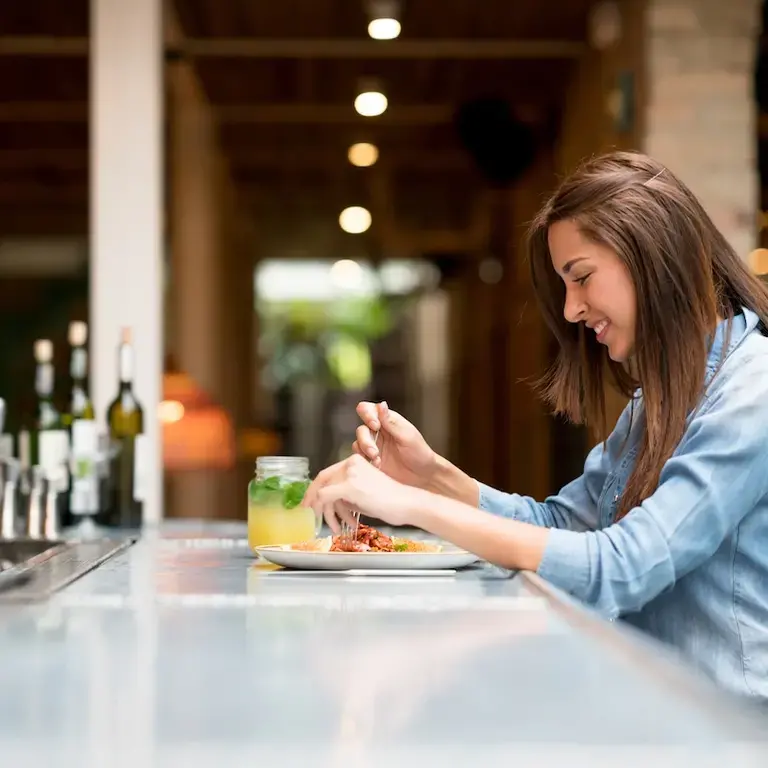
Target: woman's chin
x=618, y=353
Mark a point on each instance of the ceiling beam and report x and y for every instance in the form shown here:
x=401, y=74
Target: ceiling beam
x=254, y=114
x=39, y=45
x=266, y=48
x=319, y=48
x=333, y=114
x=43, y=112
x=317, y=157
x=39, y=221
x=60, y=159
x=322, y=157
x=32, y=193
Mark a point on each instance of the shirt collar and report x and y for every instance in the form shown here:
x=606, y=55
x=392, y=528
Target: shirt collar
x=728, y=335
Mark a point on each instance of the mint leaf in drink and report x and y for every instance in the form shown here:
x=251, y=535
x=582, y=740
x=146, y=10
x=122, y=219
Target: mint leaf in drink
x=265, y=491
x=293, y=493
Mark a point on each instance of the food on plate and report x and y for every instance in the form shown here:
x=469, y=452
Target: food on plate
x=316, y=545
x=368, y=539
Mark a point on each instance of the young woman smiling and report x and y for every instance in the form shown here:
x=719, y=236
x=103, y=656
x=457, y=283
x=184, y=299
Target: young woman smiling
x=667, y=527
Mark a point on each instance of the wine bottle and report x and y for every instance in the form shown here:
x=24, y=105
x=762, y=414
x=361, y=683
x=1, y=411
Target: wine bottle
x=80, y=410
x=125, y=419
x=49, y=440
x=80, y=404
x=47, y=416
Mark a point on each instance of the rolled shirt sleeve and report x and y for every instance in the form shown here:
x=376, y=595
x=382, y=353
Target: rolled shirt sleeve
x=575, y=507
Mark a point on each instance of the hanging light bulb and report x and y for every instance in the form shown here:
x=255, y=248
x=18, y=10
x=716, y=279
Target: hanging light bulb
x=363, y=154
x=384, y=21
x=370, y=100
x=355, y=220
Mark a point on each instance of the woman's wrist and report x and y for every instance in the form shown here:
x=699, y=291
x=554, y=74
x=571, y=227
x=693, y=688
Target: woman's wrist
x=448, y=480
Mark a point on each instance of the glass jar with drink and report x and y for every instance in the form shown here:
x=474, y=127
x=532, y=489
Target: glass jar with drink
x=275, y=495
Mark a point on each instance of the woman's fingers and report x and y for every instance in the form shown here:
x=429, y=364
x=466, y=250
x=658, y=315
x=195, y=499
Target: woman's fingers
x=368, y=413
x=365, y=442
x=336, y=512
x=331, y=474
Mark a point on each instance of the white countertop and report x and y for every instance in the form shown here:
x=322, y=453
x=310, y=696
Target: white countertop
x=183, y=651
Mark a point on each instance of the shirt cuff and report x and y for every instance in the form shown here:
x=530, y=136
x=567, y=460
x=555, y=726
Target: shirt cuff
x=496, y=502
x=481, y=494
x=566, y=561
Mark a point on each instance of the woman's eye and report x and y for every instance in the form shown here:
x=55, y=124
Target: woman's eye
x=582, y=280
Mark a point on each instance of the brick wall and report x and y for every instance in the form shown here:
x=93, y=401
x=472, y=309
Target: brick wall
x=700, y=111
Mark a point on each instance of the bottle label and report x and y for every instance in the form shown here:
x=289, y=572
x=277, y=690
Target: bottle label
x=44, y=379
x=54, y=456
x=84, y=498
x=79, y=363
x=140, y=468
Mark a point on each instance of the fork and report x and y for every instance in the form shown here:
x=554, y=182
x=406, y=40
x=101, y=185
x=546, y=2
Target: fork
x=349, y=533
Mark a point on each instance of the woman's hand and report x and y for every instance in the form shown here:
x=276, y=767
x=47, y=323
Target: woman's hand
x=354, y=485
x=400, y=451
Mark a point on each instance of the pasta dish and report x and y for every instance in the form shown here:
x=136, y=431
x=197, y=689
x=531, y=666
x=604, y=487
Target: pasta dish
x=368, y=539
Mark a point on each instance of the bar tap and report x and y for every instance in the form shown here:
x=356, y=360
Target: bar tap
x=8, y=521
x=57, y=483
x=37, y=497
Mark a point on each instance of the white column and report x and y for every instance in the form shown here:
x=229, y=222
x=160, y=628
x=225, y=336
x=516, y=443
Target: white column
x=126, y=217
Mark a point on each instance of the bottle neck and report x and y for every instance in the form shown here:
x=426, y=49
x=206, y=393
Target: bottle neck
x=78, y=367
x=125, y=367
x=44, y=381
x=126, y=388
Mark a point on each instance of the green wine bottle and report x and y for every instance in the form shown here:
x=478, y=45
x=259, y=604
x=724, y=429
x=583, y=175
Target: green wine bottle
x=49, y=439
x=125, y=419
x=80, y=403
x=47, y=416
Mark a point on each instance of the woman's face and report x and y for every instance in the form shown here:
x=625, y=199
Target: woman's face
x=598, y=289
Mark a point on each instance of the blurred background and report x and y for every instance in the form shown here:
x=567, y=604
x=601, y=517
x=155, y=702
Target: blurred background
x=339, y=217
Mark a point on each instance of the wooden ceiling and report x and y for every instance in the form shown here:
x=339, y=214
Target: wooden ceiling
x=281, y=78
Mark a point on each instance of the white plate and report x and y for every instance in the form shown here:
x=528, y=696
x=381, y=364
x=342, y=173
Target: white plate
x=448, y=557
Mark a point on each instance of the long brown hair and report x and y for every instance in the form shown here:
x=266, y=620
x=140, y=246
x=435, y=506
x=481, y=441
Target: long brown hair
x=685, y=275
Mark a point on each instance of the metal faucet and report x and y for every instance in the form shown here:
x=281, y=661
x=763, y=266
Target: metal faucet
x=36, y=514
x=57, y=483
x=8, y=517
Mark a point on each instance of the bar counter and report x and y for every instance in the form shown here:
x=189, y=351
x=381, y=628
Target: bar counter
x=184, y=652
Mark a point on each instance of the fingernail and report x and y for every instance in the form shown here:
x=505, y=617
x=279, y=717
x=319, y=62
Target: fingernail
x=384, y=405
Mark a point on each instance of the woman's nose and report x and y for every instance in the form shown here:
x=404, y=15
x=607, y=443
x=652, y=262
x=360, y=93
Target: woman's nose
x=575, y=307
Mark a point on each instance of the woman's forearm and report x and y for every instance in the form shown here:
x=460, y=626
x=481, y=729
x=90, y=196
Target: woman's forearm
x=501, y=541
x=449, y=481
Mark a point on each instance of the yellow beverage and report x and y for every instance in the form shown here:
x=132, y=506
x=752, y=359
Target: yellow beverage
x=275, y=495
x=278, y=525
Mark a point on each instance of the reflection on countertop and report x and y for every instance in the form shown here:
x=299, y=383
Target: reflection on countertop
x=184, y=651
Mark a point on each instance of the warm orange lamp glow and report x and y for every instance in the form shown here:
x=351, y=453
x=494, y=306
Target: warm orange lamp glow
x=197, y=433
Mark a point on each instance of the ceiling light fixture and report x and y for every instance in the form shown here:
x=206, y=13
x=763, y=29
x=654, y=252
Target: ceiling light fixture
x=384, y=19
x=370, y=101
x=363, y=154
x=355, y=220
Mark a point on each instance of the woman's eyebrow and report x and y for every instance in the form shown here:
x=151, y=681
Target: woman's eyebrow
x=567, y=267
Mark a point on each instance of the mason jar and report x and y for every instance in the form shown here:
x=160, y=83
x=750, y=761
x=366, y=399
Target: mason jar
x=275, y=494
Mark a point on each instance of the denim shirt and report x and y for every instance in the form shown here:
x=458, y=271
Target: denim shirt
x=690, y=564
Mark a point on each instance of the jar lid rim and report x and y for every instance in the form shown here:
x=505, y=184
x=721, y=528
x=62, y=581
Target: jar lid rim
x=281, y=459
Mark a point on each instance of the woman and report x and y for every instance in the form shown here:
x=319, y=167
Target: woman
x=668, y=525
